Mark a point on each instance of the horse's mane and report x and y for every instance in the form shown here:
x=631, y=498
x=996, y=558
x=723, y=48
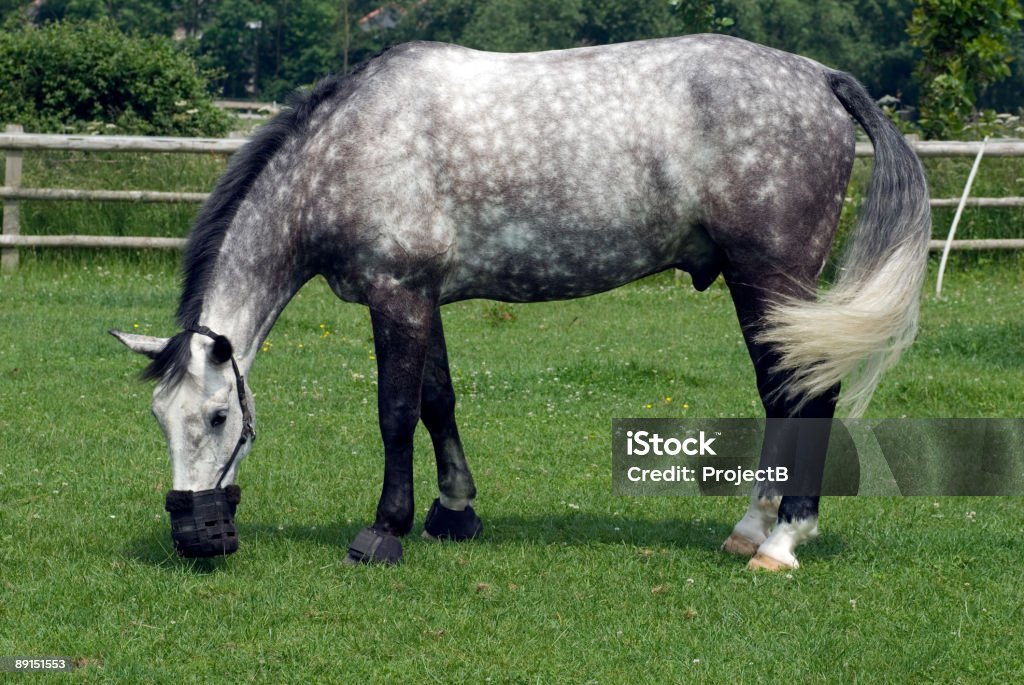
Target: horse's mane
x=214, y=219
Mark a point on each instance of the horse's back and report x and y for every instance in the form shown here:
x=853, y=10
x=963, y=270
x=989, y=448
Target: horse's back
x=557, y=174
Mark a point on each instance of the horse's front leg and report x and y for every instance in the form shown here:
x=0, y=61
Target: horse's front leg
x=401, y=331
x=451, y=517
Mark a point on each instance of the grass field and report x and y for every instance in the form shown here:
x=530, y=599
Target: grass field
x=568, y=584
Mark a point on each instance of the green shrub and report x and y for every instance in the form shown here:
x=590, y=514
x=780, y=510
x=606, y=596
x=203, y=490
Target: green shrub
x=966, y=46
x=90, y=77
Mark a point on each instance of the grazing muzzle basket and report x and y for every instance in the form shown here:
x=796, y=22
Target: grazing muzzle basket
x=203, y=522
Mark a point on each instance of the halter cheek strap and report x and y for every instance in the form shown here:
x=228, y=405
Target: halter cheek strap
x=248, y=432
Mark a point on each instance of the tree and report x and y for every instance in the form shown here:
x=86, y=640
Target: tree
x=530, y=25
x=89, y=76
x=267, y=49
x=965, y=47
x=865, y=37
x=144, y=17
x=231, y=43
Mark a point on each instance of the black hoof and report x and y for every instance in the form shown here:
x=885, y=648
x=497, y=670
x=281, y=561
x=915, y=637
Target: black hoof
x=446, y=524
x=373, y=547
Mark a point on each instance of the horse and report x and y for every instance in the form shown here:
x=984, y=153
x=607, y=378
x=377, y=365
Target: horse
x=436, y=173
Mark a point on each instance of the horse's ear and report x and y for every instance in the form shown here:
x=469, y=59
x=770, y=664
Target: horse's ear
x=221, y=350
x=143, y=344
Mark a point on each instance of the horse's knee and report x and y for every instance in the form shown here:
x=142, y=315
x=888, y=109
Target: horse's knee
x=398, y=422
x=438, y=407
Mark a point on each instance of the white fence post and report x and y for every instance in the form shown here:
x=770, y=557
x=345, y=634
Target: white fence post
x=12, y=208
x=956, y=217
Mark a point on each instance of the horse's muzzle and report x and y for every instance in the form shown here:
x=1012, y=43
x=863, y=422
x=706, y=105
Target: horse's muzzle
x=203, y=522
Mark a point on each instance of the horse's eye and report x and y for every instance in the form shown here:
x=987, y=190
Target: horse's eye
x=218, y=419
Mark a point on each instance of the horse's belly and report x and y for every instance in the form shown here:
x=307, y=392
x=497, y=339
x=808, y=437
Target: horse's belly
x=524, y=262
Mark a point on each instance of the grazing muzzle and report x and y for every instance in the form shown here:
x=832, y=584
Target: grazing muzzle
x=203, y=522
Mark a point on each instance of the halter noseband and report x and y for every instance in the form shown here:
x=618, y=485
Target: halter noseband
x=248, y=432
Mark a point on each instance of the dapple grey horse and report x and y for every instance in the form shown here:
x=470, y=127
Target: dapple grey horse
x=436, y=173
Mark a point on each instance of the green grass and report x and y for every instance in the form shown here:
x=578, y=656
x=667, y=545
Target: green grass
x=568, y=584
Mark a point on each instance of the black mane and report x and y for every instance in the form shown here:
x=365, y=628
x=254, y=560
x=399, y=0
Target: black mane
x=210, y=227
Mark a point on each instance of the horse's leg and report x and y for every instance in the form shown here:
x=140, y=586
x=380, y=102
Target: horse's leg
x=777, y=449
x=799, y=446
x=451, y=517
x=401, y=330
x=753, y=528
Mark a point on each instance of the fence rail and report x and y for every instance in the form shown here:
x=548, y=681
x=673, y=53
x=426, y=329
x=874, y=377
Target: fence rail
x=7, y=193
x=10, y=140
x=16, y=143
x=10, y=241
x=7, y=241
x=45, y=141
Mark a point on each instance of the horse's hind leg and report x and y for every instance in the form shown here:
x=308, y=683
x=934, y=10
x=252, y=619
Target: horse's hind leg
x=451, y=517
x=800, y=446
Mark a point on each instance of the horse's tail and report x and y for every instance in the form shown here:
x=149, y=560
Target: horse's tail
x=858, y=328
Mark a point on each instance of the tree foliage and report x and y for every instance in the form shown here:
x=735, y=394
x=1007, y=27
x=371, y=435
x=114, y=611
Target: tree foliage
x=264, y=49
x=527, y=25
x=966, y=46
x=89, y=76
x=864, y=37
x=148, y=17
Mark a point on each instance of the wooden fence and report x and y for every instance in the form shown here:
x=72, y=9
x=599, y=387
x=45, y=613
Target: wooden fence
x=15, y=143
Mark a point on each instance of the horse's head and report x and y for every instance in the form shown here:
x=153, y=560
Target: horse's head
x=204, y=408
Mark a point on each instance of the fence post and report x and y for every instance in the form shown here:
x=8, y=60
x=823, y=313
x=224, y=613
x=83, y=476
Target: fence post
x=12, y=218
x=956, y=218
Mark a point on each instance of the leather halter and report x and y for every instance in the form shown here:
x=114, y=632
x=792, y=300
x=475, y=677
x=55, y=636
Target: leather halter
x=248, y=432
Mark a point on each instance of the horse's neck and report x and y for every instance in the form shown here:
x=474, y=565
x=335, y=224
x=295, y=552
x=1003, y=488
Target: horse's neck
x=243, y=301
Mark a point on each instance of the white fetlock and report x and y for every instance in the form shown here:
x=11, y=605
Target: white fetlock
x=777, y=553
x=752, y=530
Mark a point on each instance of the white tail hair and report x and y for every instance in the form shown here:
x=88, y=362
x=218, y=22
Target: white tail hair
x=858, y=329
